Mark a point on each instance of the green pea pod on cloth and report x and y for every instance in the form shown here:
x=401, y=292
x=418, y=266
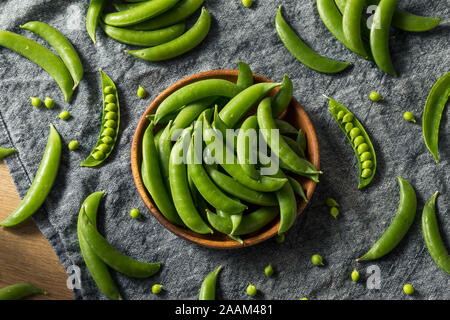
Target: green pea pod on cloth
x=208, y=288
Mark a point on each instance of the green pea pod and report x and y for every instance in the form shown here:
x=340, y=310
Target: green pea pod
x=231, y=186
x=245, y=76
x=399, y=226
x=97, y=268
x=243, y=102
x=283, y=97
x=283, y=152
x=364, y=28
x=302, y=52
x=247, y=142
x=153, y=179
x=93, y=17
x=19, y=291
x=288, y=205
x=432, y=113
x=61, y=45
x=178, y=46
x=163, y=150
x=194, y=92
x=42, y=56
x=294, y=146
x=112, y=257
x=191, y=112
x=4, y=152
x=109, y=129
x=285, y=127
x=138, y=14
x=180, y=12
x=433, y=240
x=301, y=140
x=360, y=142
x=42, y=183
x=208, y=288
x=351, y=25
x=297, y=187
x=122, y=6
x=180, y=187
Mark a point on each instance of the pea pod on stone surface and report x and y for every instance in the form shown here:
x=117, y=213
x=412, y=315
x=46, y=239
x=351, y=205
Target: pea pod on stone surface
x=93, y=17
x=109, y=129
x=359, y=140
x=245, y=76
x=208, y=287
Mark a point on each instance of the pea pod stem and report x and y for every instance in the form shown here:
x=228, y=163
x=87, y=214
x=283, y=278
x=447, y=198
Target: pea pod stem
x=19, y=291
x=42, y=183
x=208, y=287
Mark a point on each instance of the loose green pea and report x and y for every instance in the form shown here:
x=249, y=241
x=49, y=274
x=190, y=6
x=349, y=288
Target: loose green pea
x=330, y=202
x=110, y=98
x=268, y=270
x=358, y=140
x=109, y=132
x=366, y=173
x=366, y=156
x=317, y=260
x=348, y=118
x=348, y=127
x=408, y=289
x=334, y=212
x=368, y=164
x=107, y=140
x=280, y=238
x=111, y=124
x=35, y=101
x=135, y=213
x=408, y=116
x=98, y=155
x=105, y=148
x=111, y=116
x=362, y=148
x=251, y=290
x=156, y=288
x=111, y=107
x=49, y=103
x=64, y=115
x=375, y=96
x=355, y=132
x=73, y=145
x=141, y=93
x=247, y=3
x=340, y=115
x=304, y=299
x=355, y=275
x=108, y=89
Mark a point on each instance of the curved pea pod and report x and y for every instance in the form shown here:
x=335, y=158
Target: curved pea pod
x=399, y=226
x=433, y=239
x=298, y=189
x=432, y=113
x=93, y=17
x=359, y=140
x=247, y=144
x=109, y=129
x=245, y=76
x=285, y=127
x=97, y=268
x=208, y=288
x=42, y=183
x=19, y=291
x=191, y=112
x=4, y=152
x=283, y=97
x=288, y=205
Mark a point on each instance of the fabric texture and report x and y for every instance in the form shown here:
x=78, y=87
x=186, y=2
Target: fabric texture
x=239, y=33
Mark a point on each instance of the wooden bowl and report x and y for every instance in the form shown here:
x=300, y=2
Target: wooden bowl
x=295, y=114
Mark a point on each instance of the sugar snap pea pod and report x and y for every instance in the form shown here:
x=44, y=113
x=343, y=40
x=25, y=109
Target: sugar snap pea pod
x=180, y=12
x=97, y=268
x=4, y=152
x=399, y=226
x=178, y=46
x=283, y=97
x=246, y=143
x=42, y=183
x=251, y=222
x=192, y=111
x=112, y=257
x=93, y=17
x=302, y=52
x=61, y=45
x=294, y=146
x=122, y=6
x=379, y=35
x=364, y=28
x=19, y=291
x=359, y=140
x=245, y=76
x=351, y=25
x=163, y=149
x=208, y=288
x=288, y=205
x=285, y=127
x=297, y=187
x=194, y=92
x=244, y=101
x=433, y=240
x=231, y=186
x=153, y=179
x=301, y=140
x=42, y=56
x=180, y=187
x=332, y=19
x=235, y=218
x=264, y=184
x=283, y=152
x=432, y=113
x=138, y=14
x=144, y=38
